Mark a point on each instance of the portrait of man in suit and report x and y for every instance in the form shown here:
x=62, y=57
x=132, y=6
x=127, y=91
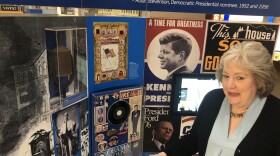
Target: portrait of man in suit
x=68, y=136
x=162, y=133
x=135, y=118
x=175, y=49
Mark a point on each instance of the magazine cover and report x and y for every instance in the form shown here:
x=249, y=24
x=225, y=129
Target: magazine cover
x=172, y=46
x=160, y=128
x=222, y=35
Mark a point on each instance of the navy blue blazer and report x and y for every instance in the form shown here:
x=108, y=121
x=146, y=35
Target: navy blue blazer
x=262, y=140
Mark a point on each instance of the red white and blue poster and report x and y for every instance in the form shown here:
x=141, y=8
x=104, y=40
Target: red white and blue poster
x=159, y=66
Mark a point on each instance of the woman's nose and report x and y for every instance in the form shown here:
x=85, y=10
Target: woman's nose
x=231, y=83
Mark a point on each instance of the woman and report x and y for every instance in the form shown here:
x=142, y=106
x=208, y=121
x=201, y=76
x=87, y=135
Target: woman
x=241, y=119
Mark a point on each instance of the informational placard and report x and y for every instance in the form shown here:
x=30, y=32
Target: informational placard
x=222, y=35
x=161, y=62
x=241, y=7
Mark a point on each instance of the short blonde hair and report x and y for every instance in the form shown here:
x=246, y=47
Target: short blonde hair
x=252, y=56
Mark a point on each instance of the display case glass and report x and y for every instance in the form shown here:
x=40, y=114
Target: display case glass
x=67, y=62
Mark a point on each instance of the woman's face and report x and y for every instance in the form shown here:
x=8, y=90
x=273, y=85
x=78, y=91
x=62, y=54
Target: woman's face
x=239, y=85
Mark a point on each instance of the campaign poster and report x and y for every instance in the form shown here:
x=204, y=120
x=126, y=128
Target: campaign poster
x=222, y=35
x=159, y=124
x=186, y=124
x=110, y=51
x=172, y=46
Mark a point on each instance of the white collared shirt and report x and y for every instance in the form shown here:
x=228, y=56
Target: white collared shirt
x=158, y=144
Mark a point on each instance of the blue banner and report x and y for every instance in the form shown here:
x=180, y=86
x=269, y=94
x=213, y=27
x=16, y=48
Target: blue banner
x=241, y=7
x=58, y=3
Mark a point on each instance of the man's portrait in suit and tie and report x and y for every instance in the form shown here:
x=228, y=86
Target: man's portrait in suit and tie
x=175, y=49
x=162, y=133
x=67, y=132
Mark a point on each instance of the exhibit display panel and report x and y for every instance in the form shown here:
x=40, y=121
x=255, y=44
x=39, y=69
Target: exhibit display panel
x=25, y=107
x=117, y=122
x=99, y=85
x=67, y=59
x=116, y=71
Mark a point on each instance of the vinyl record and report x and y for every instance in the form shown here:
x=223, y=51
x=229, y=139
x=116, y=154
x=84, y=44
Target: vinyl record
x=118, y=112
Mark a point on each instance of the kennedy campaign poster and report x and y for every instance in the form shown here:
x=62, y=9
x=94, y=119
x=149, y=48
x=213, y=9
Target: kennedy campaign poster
x=222, y=35
x=172, y=46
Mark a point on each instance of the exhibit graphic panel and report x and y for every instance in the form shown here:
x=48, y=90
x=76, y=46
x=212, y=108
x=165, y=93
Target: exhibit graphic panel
x=116, y=52
x=25, y=109
x=163, y=58
x=241, y=7
x=220, y=36
x=117, y=121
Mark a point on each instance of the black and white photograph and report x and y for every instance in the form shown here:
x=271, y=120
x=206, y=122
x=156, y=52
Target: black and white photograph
x=67, y=131
x=84, y=128
x=177, y=52
x=25, y=109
